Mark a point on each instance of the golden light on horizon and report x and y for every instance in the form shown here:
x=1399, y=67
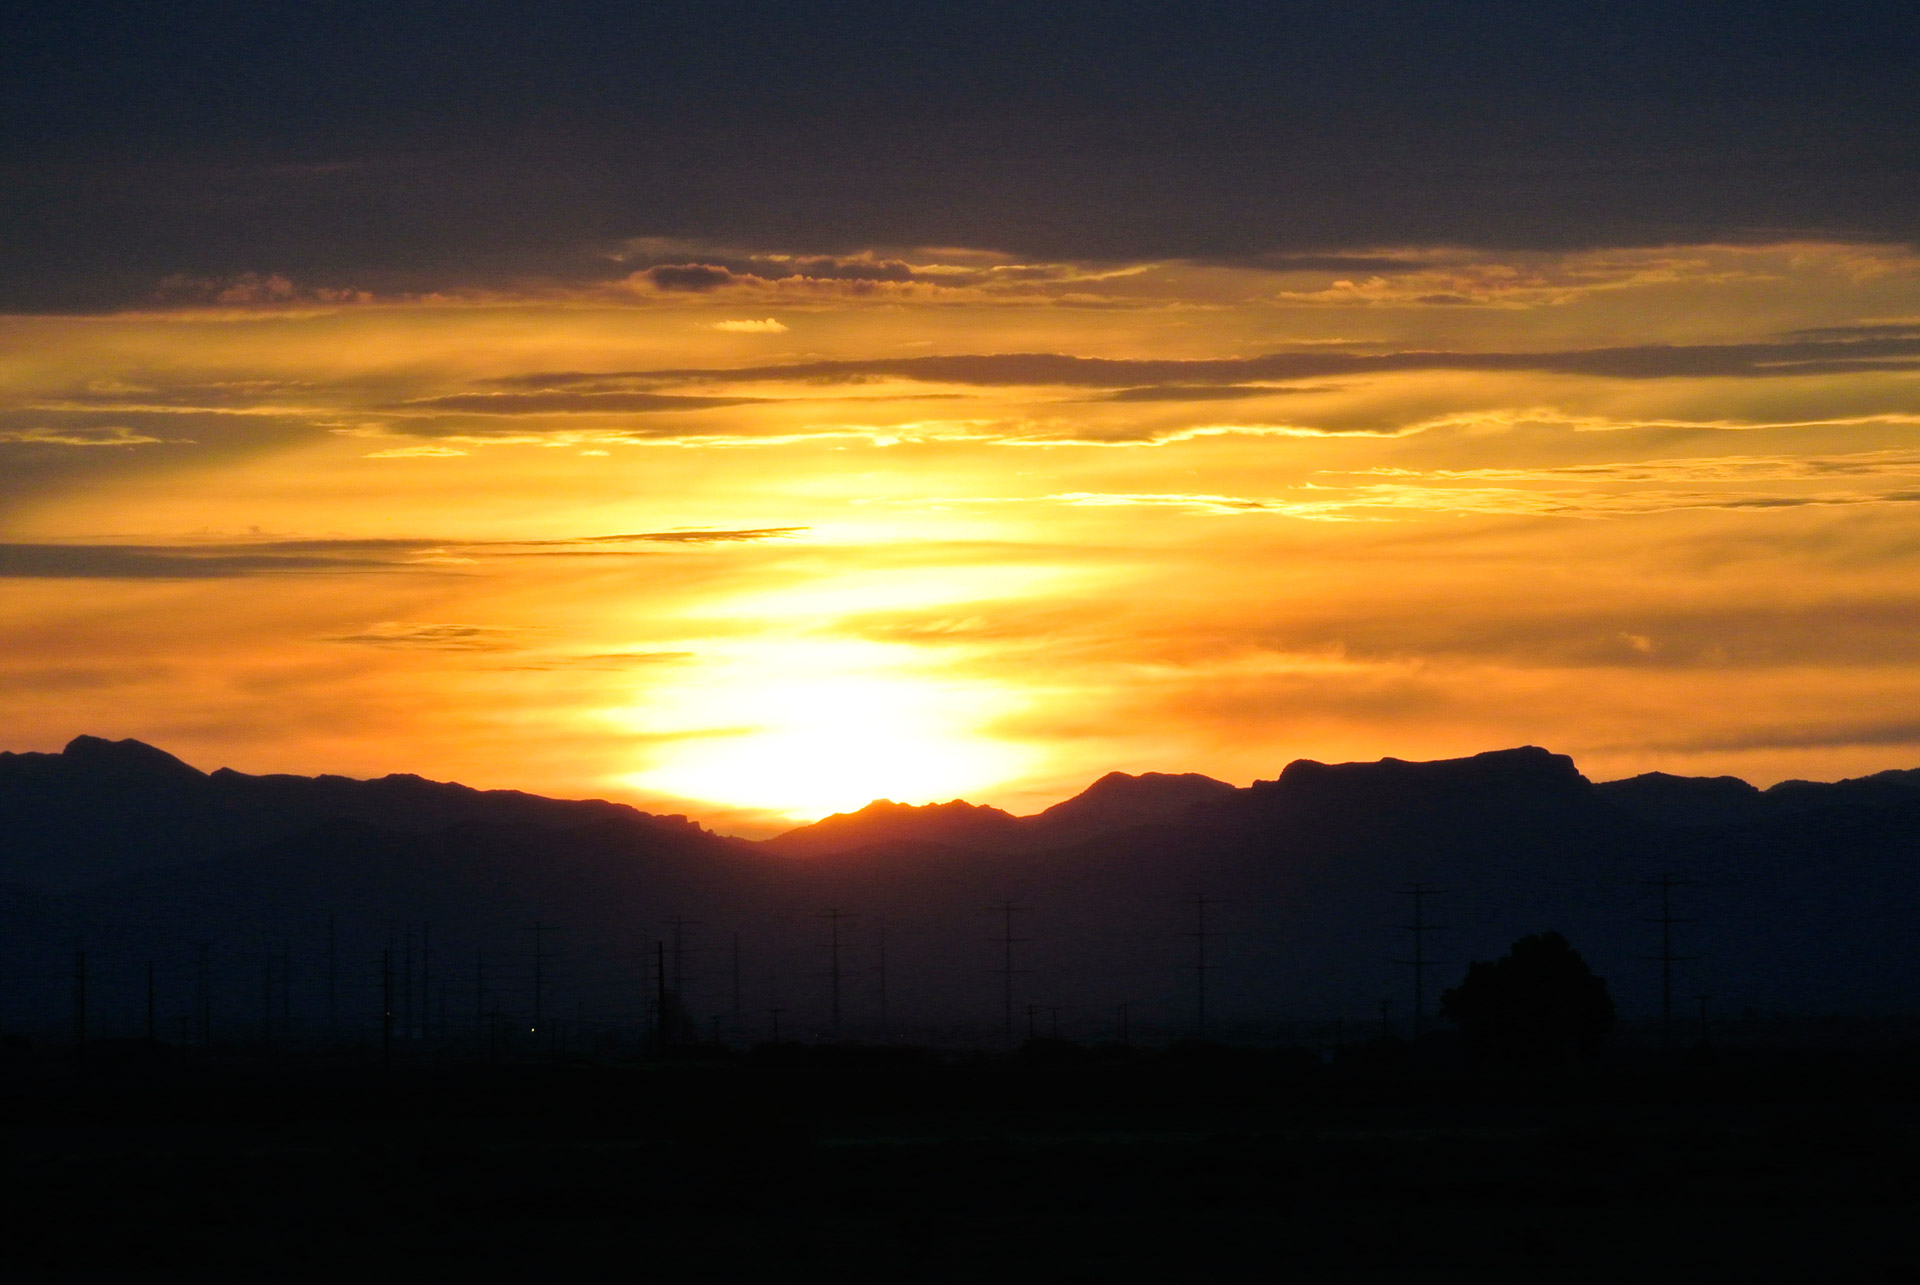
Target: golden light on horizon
x=988, y=537
x=808, y=728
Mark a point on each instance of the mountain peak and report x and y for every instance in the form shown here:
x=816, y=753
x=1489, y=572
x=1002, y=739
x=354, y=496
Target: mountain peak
x=1525, y=763
x=128, y=759
x=1119, y=799
x=956, y=822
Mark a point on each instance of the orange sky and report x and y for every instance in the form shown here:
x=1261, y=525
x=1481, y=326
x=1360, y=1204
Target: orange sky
x=1653, y=508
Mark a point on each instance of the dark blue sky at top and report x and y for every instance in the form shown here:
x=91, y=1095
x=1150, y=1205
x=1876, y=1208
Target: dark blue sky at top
x=412, y=145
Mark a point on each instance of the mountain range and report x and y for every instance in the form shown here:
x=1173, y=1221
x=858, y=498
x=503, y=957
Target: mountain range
x=1797, y=898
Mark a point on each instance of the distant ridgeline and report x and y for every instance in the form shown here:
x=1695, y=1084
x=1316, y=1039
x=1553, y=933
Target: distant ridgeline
x=267, y=903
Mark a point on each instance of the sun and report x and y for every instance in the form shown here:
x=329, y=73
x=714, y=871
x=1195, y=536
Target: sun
x=807, y=729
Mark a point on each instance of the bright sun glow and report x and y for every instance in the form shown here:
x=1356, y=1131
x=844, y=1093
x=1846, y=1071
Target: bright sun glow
x=809, y=729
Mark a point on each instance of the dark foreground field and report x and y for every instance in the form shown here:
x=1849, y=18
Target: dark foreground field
x=856, y=1166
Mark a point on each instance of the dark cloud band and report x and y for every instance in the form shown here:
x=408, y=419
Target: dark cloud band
x=207, y=561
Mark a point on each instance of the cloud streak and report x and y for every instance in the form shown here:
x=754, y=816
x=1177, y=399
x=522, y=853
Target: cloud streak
x=1774, y=359
x=206, y=560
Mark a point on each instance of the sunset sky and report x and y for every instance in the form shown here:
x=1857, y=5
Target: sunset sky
x=751, y=414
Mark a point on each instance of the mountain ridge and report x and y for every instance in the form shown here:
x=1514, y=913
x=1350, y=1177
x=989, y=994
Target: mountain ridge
x=1304, y=875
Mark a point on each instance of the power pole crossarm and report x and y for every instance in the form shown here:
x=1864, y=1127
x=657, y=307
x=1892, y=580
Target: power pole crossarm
x=1420, y=963
x=1201, y=964
x=1666, y=883
x=1007, y=941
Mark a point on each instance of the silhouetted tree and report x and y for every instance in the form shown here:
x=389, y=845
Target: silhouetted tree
x=1538, y=1006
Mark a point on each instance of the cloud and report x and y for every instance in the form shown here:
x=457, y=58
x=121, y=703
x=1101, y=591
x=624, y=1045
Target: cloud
x=1199, y=392
x=203, y=560
x=1770, y=359
x=115, y=435
x=612, y=661
x=570, y=403
x=1380, y=501
x=1802, y=737
x=695, y=278
x=433, y=637
x=765, y=326
x=415, y=452
x=251, y=290
x=1722, y=468
x=182, y=562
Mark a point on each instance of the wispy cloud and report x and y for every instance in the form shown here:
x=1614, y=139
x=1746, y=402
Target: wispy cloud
x=1720, y=468
x=568, y=403
x=1768, y=359
x=200, y=560
x=81, y=437
x=433, y=637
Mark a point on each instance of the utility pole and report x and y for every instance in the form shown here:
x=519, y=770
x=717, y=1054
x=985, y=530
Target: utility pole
x=1125, y=1035
x=79, y=997
x=1666, y=883
x=333, y=982
x=1419, y=963
x=1201, y=967
x=736, y=987
x=1007, y=941
x=679, y=924
x=539, y=972
x=406, y=984
x=267, y=994
x=203, y=993
x=1032, y=1009
x=833, y=916
x=152, y=1033
x=881, y=970
x=386, y=1007
x=426, y=981
x=1386, y=1026
x=286, y=990
x=663, y=1025
x=480, y=994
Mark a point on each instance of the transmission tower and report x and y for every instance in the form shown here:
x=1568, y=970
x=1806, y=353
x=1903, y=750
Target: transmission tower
x=679, y=924
x=1666, y=883
x=1201, y=967
x=880, y=970
x=1007, y=941
x=833, y=916
x=1419, y=963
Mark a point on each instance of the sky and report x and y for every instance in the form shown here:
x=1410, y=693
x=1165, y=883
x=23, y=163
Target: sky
x=751, y=411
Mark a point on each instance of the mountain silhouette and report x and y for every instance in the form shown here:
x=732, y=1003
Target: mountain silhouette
x=100, y=809
x=1799, y=898
x=1116, y=801
x=1685, y=800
